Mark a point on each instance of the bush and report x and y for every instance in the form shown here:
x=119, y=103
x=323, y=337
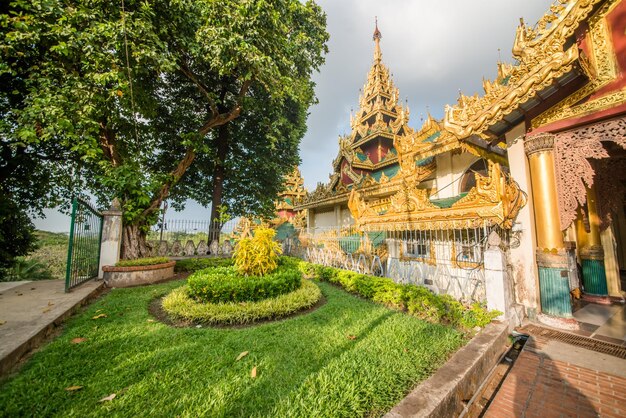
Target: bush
x=142, y=262
x=416, y=300
x=226, y=284
x=195, y=264
x=179, y=305
x=259, y=255
x=26, y=269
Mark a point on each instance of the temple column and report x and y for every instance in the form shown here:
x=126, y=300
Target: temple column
x=552, y=262
x=592, y=254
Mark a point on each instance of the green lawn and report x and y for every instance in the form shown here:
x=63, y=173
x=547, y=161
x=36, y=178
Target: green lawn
x=307, y=366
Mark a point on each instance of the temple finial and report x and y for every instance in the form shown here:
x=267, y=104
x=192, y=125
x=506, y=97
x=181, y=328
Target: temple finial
x=376, y=37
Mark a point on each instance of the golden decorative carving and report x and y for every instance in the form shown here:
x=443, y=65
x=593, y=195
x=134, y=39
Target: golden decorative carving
x=542, y=58
x=494, y=200
x=595, y=252
x=538, y=143
x=601, y=68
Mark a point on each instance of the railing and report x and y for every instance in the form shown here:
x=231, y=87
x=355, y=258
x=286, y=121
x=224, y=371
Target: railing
x=447, y=261
x=185, y=238
x=83, y=255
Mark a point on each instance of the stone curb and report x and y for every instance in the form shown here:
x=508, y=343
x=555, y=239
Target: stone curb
x=8, y=362
x=443, y=394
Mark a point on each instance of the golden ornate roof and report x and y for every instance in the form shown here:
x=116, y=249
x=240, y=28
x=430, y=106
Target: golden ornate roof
x=543, y=54
x=294, y=192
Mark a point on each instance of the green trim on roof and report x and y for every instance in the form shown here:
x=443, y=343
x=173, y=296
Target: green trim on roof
x=447, y=202
x=432, y=137
x=424, y=161
x=390, y=172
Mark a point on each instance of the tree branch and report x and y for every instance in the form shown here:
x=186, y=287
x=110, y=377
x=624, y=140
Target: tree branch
x=191, y=76
x=190, y=153
x=107, y=143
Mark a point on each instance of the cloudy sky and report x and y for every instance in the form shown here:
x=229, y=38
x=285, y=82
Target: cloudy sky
x=433, y=49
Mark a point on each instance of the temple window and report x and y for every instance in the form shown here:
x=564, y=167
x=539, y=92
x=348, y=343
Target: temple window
x=469, y=178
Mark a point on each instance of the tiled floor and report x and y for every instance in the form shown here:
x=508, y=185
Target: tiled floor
x=601, y=322
x=553, y=379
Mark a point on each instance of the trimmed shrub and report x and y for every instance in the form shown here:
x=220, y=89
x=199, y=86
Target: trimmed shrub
x=178, y=304
x=259, y=255
x=416, y=300
x=195, y=264
x=142, y=262
x=226, y=284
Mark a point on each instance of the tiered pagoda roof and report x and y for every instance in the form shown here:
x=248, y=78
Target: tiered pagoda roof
x=368, y=153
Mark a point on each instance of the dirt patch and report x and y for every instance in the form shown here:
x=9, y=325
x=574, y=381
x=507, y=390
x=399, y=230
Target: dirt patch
x=155, y=308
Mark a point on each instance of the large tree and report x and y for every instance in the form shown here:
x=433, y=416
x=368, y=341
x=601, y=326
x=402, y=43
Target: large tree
x=134, y=92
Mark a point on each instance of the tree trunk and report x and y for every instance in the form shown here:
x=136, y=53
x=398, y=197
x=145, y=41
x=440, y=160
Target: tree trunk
x=218, y=182
x=134, y=244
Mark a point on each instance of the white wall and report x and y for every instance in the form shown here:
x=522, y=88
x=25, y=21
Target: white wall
x=522, y=258
x=450, y=170
x=325, y=219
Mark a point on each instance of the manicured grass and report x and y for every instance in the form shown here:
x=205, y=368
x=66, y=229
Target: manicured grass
x=149, y=261
x=348, y=358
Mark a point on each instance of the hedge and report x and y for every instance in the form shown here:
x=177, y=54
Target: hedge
x=226, y=284
x=195, y=264
x=150, y=261
x=416, y=300
x=178, y=304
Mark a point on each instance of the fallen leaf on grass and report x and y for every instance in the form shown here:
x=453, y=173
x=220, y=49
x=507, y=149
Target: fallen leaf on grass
x=100, y=316
x=242, y=355
x=352, y=337
x=150, y=320
x=73, y=388
x=78, y=340
x=253, y=372
x=108, y=398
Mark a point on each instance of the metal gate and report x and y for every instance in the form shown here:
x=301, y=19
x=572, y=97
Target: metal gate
x=83, y=254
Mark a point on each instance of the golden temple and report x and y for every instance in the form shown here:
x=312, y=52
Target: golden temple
x=539, y=157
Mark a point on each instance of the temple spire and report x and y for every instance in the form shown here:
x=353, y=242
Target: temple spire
x=377, y=36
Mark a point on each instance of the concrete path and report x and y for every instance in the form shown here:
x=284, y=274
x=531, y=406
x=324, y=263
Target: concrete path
x=554, y=379
x=29, y=311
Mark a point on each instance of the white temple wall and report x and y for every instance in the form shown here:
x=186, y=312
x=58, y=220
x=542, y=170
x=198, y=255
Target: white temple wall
x=346, y=218
x=450, y=170
x=522, y=257
x=325, y=219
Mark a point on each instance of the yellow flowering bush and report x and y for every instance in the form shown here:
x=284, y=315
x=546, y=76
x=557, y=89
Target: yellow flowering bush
x=257, y=256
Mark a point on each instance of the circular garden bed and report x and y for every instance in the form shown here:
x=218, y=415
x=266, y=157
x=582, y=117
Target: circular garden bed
x=222, y=296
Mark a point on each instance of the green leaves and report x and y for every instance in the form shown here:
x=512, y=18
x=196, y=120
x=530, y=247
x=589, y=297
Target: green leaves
x=126, y=101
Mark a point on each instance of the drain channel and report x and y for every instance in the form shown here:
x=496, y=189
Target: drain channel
x=577, y=340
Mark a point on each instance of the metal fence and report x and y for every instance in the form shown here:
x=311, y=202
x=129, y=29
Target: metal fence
x=185, y=238
x=83, y=254
x=447, y=261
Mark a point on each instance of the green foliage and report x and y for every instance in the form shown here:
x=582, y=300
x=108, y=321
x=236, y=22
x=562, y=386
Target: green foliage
x=143, y=132
x=307, y=366
x=180, y=305
x=257, y=256
x=416, y=300
x=195, y=264
x=149, y=261
x=25, y=269
x=226, y=284
x=17, y=233
x=51, y=252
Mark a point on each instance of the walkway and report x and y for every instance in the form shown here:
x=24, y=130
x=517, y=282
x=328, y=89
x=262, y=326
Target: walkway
x=29, y=311
x=558, y=374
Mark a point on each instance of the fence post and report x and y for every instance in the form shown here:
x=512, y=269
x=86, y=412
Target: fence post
x=111, y=236
x=496, y=286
